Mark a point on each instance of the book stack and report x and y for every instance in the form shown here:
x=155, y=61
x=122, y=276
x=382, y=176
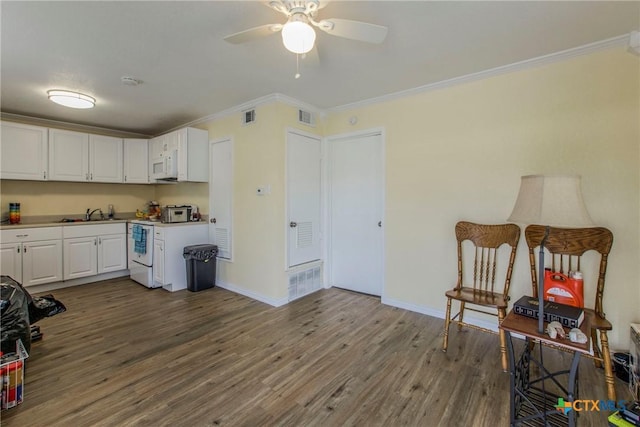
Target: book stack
x=568, y=316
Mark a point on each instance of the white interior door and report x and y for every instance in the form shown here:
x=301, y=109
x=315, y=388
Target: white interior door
x=220, y=196
x=356, y=190
x=303, y=198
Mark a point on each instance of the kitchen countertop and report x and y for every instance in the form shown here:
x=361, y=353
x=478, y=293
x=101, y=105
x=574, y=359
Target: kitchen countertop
x=56, y=221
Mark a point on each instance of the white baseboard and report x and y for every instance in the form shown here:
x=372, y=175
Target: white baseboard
x=440, y=314
x=274, y=302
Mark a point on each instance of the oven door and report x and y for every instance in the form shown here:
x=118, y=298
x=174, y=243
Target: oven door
x=140, y=248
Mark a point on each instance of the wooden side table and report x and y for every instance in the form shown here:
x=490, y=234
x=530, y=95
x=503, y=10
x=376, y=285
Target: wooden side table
x=531, y=401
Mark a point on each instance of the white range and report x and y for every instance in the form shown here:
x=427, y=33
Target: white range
x=155, y=259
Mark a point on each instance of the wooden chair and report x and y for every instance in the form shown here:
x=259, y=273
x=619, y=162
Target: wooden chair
x=566, y=247
x=486, y=240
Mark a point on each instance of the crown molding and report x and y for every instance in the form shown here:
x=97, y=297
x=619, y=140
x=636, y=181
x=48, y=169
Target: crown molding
x=37, y=121
x=618, y=41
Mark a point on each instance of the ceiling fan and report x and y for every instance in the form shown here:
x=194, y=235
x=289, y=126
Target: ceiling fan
x=299, y=37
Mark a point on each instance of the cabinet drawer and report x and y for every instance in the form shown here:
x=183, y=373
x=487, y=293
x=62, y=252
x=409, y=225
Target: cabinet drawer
x=99, y=229
x=30, y=234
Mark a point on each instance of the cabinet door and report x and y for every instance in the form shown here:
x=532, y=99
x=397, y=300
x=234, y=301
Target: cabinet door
x=112, y=253
x=106, y=159
x=158, y=262
x=193, y=155
x=80, y=257
x=41, y=262
x=68, y=155
x=23, y=152
x=136, y=161
x=11, y=260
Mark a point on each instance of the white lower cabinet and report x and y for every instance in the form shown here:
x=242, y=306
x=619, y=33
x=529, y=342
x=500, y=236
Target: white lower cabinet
x=32, y=256
x=158, y=261
x=169, y=266
x=94, y=249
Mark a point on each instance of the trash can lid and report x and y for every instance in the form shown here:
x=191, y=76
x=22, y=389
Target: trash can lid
x=202, y=252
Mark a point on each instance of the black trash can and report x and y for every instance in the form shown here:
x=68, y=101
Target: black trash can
x=201, y=266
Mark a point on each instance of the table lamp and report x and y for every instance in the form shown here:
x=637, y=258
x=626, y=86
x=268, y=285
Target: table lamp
x=552, y=201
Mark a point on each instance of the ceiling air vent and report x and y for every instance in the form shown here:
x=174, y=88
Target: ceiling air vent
x=248, y=116
x=306, y=118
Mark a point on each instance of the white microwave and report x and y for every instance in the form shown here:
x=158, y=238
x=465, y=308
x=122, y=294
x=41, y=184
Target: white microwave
x=165, y=166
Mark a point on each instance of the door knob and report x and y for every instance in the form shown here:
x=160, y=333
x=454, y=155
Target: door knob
x=293, y=224
x=379, y=223
x=212, y=220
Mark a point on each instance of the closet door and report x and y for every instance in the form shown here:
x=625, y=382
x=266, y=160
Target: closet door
x=356, y=197
x=303, y=198
x=220, y=196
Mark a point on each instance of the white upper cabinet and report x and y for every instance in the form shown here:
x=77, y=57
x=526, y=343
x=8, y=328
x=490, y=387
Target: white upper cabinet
x=136, y=161
x=105, y=159
x=193, y=155
x=68, y=155
x=77, y=156
x=23, y=152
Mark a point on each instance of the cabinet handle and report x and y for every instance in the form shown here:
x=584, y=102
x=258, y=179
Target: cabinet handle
x=44, y=174
x=91, y=176
x=95, y=242
x=125, y=178
x=99, y=240
x=22, y=235
x=87, y=177
x=18, y=249
x=25, y=249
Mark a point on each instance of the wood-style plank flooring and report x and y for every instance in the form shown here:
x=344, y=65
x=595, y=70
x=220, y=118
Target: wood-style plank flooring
x=126, y=355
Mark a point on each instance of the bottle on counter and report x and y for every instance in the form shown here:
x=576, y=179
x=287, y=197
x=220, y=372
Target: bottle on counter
x=14, y=213
x=110, y=212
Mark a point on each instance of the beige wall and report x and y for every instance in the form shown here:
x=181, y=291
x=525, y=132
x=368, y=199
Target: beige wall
x=458, y=153
x=72, y=198
x=182, y=193
x=258, y=265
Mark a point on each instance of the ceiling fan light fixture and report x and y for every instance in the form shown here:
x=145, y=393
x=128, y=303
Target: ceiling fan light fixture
x=71, y=99
x=297, y=35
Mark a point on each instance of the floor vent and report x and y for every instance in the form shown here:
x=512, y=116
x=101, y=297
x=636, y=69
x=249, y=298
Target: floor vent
x=307, y=118
x=248, y=116
x=303, y=282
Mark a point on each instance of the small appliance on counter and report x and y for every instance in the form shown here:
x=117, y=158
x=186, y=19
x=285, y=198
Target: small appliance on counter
x=175, y=213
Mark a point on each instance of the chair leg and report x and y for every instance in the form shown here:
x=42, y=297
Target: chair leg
x=447, y=322
x=461, y=319
x=608, y=369
x=597, y=360
x=503, y=342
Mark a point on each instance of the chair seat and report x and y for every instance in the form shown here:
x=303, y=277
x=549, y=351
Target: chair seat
x=479, y=297
x=597, y=322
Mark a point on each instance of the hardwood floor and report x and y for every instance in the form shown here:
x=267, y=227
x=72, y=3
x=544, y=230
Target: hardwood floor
x=126, y=355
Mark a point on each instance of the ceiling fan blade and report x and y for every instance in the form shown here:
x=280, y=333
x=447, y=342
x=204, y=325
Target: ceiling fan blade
x=354, y=30
x=253, y=33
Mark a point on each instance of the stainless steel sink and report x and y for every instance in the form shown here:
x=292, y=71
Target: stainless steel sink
x=72, y=220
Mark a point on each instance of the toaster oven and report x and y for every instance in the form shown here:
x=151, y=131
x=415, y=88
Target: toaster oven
x=174, y=213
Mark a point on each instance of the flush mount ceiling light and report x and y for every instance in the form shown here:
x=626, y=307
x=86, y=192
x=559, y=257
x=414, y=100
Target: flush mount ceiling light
x=297, y=35
x=71, y=99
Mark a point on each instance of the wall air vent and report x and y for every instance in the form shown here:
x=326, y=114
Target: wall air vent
x=248, y=116
x=306, y=118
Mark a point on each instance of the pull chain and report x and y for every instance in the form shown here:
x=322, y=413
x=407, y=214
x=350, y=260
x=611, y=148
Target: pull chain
x=297, y=76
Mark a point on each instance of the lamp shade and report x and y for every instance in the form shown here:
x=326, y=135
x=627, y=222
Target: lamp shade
x=551, y=200
x=297, y=35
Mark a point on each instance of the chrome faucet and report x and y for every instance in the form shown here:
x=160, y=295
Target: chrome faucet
x=90, y=212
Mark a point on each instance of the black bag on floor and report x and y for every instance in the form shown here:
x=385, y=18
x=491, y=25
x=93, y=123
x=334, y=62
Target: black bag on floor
x=14, y=315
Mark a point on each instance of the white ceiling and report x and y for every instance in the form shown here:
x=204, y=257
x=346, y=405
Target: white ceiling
x=189, y=71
